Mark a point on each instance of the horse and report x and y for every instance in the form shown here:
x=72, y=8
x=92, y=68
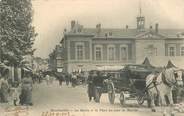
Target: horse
x=162, y=84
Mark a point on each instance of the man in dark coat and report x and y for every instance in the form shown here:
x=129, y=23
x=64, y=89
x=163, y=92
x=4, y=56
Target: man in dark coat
x=61, y=78
x=67, y=78
x=91, y=85
x=74, y=79
x=98, y=79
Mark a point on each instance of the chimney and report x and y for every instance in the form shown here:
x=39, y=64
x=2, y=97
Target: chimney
x=98, y=28
x=72, y=24
x=156, y=27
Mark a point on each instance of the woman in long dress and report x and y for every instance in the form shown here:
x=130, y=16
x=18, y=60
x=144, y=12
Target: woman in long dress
x=4, y=90
x=26, y=93
x=4, y=87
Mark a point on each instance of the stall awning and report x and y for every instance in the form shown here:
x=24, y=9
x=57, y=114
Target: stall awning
x=113, y=68
x=147, y=63
x=28, y=69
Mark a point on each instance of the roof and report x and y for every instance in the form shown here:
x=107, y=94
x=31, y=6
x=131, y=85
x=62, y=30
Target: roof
x=172, y=33
x=127, y=33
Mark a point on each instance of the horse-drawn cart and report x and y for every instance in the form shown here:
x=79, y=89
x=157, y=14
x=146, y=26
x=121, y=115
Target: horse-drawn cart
x=128, y=80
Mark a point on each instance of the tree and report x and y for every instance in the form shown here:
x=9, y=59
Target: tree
x=17, y=34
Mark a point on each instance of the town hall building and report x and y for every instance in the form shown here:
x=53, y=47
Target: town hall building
x=90, y=48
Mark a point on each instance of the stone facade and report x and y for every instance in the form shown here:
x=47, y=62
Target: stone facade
x=90, y=48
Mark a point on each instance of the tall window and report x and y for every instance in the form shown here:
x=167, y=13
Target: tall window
x=124, y=53
x=182, y=51
x=98, y=53
x=80, y=52
x=111, y=53
x=150, y=50
x=171, y=51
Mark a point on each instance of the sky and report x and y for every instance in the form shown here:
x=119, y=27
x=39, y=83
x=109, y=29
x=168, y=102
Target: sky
x=51, y=17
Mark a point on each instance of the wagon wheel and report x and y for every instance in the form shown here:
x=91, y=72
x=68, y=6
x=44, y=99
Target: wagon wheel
x=140, y=99
x=122, y=98
x=111, y=92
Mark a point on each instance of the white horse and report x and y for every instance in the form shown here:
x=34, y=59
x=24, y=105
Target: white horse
x=162, y=85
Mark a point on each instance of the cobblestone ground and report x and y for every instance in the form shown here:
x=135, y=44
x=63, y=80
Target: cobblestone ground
x=55, y=100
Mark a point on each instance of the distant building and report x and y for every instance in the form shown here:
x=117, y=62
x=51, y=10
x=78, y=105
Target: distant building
x=56, y=59
x=40, y=64
x=91, y=48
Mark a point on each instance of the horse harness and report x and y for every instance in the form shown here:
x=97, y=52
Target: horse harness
x=154, y=82
x=163, y=80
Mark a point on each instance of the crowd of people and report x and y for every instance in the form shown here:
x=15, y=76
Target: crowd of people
x=16, y=92
x=19, y=92
x=73, y=79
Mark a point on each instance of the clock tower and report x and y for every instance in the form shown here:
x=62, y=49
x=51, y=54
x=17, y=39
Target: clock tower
x=140, y=21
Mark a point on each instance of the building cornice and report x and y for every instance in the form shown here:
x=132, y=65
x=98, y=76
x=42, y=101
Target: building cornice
x=78, y=35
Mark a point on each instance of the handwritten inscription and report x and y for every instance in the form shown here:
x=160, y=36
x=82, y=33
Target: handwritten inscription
x=17, y=111
x=55, y=113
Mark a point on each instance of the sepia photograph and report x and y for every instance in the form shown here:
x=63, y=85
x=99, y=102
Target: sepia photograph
x=91, y=57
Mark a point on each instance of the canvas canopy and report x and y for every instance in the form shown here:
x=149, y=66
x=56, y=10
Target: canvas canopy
x=170, y=65
x=27, y=69
x=147, y=63
x=113, y=68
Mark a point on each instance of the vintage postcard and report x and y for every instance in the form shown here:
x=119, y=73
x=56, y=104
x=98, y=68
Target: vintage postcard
x=91, y=57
